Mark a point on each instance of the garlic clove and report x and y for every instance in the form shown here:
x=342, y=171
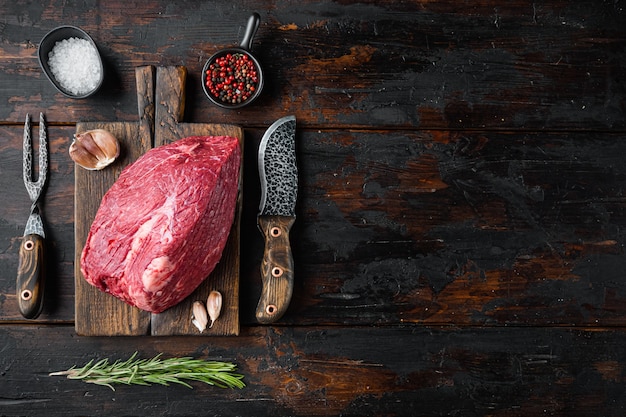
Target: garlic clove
x=199, y=316
x=214, y=306
x=94, y=149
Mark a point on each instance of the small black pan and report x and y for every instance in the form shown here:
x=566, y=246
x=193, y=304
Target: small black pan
x=233, y=78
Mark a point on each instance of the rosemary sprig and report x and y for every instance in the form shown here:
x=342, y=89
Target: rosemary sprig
x=135, y=371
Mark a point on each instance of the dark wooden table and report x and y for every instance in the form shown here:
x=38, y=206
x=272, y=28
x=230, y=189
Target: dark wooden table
x=459, y=244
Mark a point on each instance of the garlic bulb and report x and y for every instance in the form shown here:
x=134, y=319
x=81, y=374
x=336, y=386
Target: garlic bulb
x=94, y=149
x=199, y=318
x=214, y=306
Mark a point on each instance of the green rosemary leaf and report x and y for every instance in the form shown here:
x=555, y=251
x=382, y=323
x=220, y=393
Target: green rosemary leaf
x=156, y=370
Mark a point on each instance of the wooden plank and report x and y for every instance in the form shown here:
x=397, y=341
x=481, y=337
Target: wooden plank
x=461, y=228
x=100, y=314
x=170, y=104
x=330, y=371
x=369, y=64
x=96, y=312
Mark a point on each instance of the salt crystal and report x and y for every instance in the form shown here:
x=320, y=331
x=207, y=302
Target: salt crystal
x=75, y=64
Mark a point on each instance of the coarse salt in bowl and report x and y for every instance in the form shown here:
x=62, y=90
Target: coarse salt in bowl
x=71, y=61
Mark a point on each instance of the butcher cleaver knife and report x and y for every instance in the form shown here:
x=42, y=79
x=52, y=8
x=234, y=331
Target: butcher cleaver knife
x=278, y=173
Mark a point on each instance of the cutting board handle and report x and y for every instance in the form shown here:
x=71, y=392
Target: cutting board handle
x=145, y=77
x=170, y=102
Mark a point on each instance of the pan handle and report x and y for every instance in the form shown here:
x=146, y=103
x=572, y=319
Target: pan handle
x=251, y=28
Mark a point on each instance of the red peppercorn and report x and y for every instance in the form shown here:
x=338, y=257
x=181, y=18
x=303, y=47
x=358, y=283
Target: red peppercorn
x=232, y=78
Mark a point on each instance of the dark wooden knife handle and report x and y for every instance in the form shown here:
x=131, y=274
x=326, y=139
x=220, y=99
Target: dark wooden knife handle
x=276, y=268
x=30, y=276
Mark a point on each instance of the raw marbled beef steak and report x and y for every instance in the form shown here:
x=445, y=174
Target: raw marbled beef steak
x=161, y=228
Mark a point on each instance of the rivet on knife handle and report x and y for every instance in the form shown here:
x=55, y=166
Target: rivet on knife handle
x=30, y=277
x=276, y=268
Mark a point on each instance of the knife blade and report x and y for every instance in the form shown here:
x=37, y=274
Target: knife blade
x=30, y=271
x=278, y=173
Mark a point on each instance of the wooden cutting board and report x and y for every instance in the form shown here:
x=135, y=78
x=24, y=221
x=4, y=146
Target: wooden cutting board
x=161, y=99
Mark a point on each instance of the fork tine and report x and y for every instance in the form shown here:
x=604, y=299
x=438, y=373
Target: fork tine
x=43, y=152
x=35, y=188
x=27, y=153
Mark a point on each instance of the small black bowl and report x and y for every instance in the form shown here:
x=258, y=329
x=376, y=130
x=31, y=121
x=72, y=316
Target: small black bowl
x=47, y=44
x=243, y=49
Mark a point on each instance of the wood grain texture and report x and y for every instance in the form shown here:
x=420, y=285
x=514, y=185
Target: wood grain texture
x=328, y=371
x=169, y=111
x=500, y=65
x=463, y=228
x=277, y=269
x=30, y=276
x=460, y=165
x=460, y=227
x=164, y=106
x=98, y=313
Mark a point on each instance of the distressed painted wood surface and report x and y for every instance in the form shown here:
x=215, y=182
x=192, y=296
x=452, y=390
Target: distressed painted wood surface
x=489, y=64
x=459, y=236
x=477, y=228
x=319, y=371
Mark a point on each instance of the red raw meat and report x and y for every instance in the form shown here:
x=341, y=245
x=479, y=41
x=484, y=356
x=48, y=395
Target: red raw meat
x=161, y=228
